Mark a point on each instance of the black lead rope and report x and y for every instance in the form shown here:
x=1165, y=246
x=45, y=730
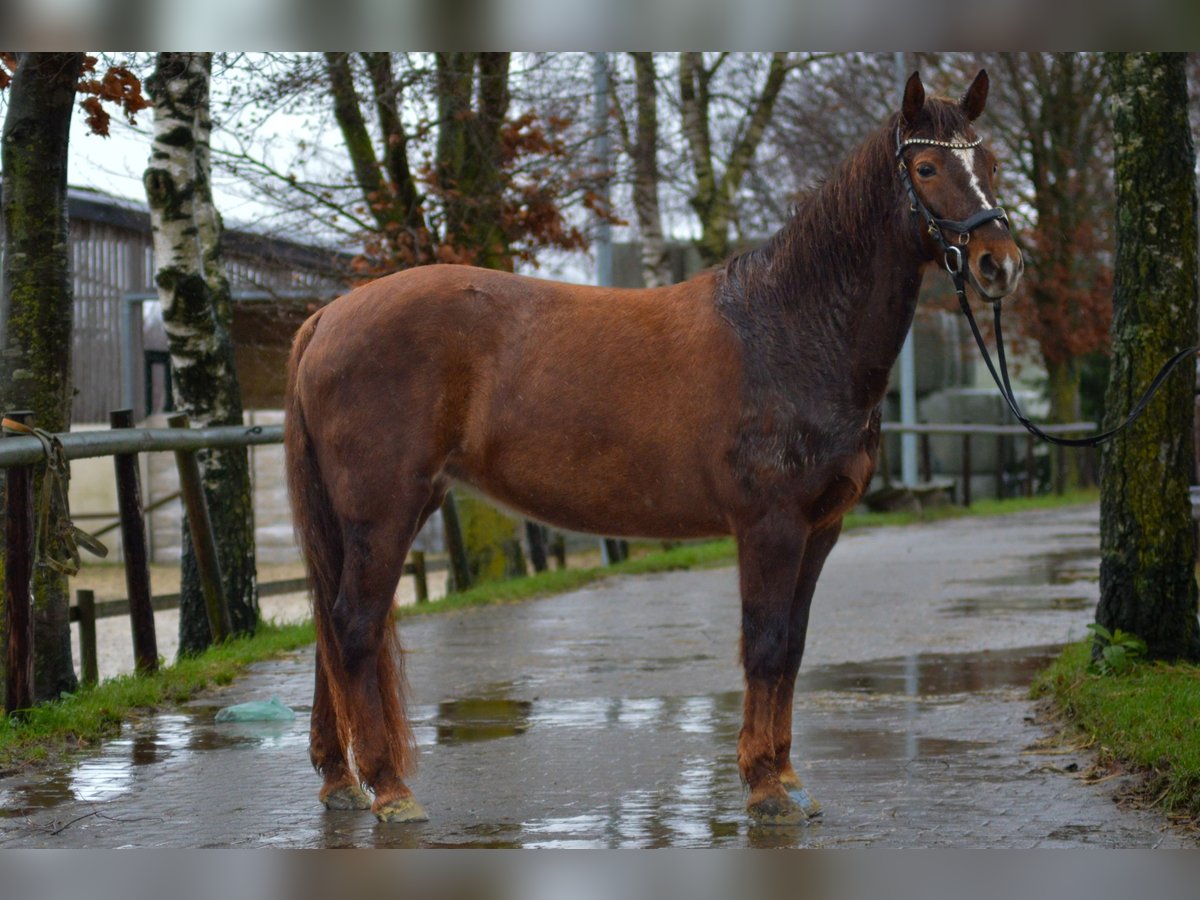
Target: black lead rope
x=955, y=262
x=1006, y=391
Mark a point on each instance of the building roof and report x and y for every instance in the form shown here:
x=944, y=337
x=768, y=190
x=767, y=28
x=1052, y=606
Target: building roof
x=96, y=206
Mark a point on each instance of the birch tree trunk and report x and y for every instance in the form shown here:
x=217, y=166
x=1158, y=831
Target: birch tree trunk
x=36, y=314
x=197, y=314
x=655, y=268
x=1147, y=566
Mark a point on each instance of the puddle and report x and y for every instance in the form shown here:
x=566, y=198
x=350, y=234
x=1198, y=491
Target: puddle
x=858, y=743
x=113, y=771
x=1068, y=566
x=976, y=606
x=479, y=719
x=931, y=674
x=687, y=796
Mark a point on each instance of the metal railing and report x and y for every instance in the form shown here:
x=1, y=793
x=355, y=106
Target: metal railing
x=21, y=455
x=1001, y=433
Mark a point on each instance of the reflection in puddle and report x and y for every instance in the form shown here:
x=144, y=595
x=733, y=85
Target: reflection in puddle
x=931, y=674
x=1016, y=604
x=112, y=772
x=701, y=806
x=871, y=716
x=464, y=721
x=1074, y=564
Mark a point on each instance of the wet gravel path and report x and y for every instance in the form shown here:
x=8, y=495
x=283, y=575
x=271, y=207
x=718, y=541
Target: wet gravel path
x=608, y=717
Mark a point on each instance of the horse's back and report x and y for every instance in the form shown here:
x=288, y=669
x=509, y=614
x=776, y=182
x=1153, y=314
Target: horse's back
x=591, y=408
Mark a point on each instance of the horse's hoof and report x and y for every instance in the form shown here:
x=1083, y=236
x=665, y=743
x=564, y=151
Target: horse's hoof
x=805, y=801
x=349, y=796
x=775, y=810
x=402, y=809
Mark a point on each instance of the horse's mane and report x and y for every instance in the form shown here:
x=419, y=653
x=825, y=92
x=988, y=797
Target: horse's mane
x=820, y=265
x=835, y=226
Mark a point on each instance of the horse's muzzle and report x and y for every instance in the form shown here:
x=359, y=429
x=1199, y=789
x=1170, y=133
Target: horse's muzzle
x=996, y=271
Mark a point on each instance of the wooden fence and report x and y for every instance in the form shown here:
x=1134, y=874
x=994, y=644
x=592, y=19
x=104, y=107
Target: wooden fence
x=21, y=453
x=1000, y=433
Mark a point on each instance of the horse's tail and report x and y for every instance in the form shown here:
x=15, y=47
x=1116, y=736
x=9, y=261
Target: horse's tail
x=319, y=535
x=318, y=532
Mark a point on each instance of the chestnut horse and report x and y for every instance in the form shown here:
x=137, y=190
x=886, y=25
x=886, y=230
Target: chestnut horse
x=745, y=401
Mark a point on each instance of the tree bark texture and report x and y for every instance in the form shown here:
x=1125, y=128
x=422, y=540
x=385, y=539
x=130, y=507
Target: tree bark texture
x=36, y=315
x=197, y=313
x=656, y=270
x=1147, y=570
x=473, y=100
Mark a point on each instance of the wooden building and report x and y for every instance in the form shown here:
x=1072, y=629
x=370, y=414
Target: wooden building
x=276, y=284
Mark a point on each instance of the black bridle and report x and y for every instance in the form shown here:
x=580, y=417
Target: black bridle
x=955, y=262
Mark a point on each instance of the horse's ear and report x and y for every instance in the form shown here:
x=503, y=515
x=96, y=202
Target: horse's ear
x=914, y=98
x=975, y=98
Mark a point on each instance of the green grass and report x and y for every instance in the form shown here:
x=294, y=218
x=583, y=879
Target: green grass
x=92, y=713
x=1148, y=720
x=96, y=712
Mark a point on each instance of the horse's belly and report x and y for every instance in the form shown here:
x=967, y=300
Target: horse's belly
x=601, y=499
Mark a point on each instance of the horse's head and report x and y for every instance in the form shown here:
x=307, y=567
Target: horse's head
x=948, y=177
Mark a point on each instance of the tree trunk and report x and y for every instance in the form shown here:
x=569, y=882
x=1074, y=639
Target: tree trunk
x=1147, y=569
x=655, y=264
x=1062, y=388
x=473, y=99
x=36, y=313
x=713, y=197
x=196, y=315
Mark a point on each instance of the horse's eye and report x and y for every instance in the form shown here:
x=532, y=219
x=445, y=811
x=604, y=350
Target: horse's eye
x=925, y=170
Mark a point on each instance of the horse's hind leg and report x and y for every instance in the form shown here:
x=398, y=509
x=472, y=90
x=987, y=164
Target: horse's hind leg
x=815, y=553
x=372, y=707
x=327, y=751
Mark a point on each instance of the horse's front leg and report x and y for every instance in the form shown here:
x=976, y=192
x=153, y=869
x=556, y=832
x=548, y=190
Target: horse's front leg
x=815, y=552
x=769, y=555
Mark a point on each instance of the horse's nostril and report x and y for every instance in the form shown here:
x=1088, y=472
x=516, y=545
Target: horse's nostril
x=987, y=267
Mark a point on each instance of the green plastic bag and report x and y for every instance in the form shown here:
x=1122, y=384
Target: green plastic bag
x=256, y=711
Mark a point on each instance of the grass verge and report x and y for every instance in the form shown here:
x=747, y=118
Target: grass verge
x=93, y=713
x=1146, y=721
x=80, y=719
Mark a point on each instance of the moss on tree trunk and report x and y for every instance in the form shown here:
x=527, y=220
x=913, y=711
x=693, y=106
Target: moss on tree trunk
x=491, y=540
x=1147, y=571
x=37, y=314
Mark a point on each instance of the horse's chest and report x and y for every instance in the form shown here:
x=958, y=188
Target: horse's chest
x=835, y=491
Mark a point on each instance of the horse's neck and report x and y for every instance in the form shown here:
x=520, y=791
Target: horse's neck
x=850, y=313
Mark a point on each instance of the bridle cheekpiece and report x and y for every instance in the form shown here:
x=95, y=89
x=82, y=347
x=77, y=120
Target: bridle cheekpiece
x=953, y=255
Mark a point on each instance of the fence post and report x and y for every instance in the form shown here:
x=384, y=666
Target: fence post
x=1000, y=467
x=966, y=468
x=18, y=575
x=419, y=576
x=137, y=558
x=926, y=458
x=535, y=535
x=460, y=570
x=89, y=667
x=1029, y=471
x=203, y=543
x=1060, y=469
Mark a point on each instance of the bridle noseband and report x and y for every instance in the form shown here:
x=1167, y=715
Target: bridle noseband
x=955, y=263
